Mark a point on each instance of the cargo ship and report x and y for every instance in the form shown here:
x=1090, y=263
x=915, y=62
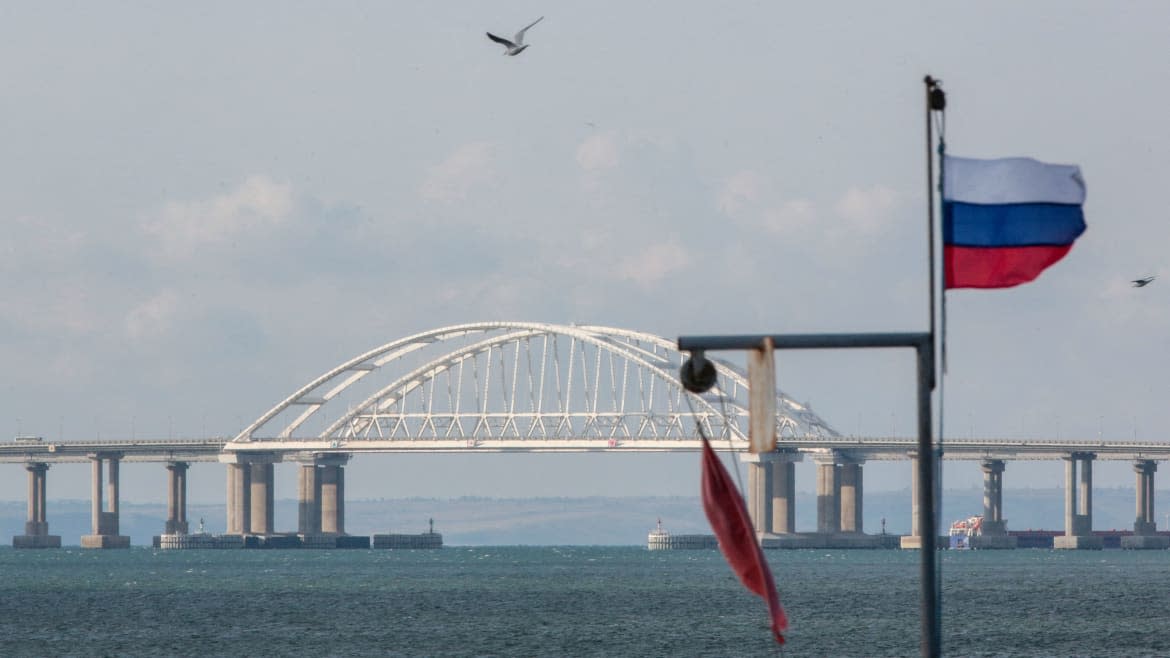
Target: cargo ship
x=963, y=530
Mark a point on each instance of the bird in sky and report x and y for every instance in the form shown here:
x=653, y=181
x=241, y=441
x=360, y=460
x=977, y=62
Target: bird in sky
x=1143, y=282
x=516, y=45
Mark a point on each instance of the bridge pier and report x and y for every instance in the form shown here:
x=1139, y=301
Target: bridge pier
x=772, y=501
x=1078, y=504
x=994, y=530
x=771, y=494
x=333, y=499
x=177, y=498
x=828, y=495
x=784, y=495
x=262, y=498
x=250, y=493
x=105, y=523
x=239, y=499
x=36, y=528
x=914, y=539
x=1145, y=527
x=839, y=493
x=851, y=495
x=308, y=499
x=321, y=496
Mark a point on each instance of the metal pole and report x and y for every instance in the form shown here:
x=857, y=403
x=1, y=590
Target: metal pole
x=930, y=83
x=930, y=469
x=802, y=341
x=931, y=619
x=928, y=458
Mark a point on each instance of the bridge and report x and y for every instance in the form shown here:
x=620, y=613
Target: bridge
x=533, y=387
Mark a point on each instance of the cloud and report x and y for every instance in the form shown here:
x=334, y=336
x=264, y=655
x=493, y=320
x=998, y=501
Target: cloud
x=152, y=317
x=257, y=204
x=790, y=216
x=867, y=209
x=30, y=240
x=49, y=284
x=750, y=198
x=471, y=165
x=598, y=152
x=653, y=264
x=741, y=191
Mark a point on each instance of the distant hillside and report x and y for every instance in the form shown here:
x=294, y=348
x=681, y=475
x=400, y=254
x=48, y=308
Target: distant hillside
x=602, y=521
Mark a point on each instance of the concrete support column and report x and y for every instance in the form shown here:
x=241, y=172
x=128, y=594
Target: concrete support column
x=1149, y=497
x=96, y=494
x=914, y=530
x=1145, y=526
x=262, y=498
x=112, y=488
x=43, y=498
x=37, y=524
x=771, y=490
x=914, y=539
x=1085, y=511
x=1070, y=496
x=999, y=497
x=239, y=498
x=105, y=521
x=851, y=498
x=230, y=501
x=181, y=485
x=340, y=500
x=36, y=528
x=993, y=521
x=309, y=499
x=250, y=494
x=1144, y=521
x=784, y=497
x=35, y=498
x=828, y=495
x=1078, y=504
x=32, y=498
x=333, y=499
x=177, y=498
x=761, y=482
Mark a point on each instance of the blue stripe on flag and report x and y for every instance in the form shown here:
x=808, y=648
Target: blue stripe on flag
x=1012, y=224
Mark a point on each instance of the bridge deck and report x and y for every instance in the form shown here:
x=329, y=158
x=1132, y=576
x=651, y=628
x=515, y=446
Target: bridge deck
x=872, y=449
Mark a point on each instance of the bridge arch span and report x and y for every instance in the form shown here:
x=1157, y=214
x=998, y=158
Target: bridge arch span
x=537, y=383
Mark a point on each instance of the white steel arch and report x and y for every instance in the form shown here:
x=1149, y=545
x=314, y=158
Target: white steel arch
x=543, y=384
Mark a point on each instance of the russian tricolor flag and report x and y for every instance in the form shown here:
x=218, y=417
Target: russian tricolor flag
x=1006, y=220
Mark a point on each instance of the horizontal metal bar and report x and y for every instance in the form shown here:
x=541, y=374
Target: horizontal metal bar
x=802, y=341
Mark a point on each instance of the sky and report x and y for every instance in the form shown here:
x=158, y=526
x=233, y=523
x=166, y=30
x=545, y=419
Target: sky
x=207, y=205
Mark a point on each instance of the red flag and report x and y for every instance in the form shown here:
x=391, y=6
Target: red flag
x=737, y=540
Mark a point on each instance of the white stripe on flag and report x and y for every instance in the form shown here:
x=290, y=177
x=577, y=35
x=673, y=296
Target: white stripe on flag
x=1011, y=180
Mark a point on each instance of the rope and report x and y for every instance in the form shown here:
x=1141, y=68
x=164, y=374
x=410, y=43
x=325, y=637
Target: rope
x=726, y=431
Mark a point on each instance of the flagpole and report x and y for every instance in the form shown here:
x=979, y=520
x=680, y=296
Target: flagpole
x=930, y=87
x=929, y=475
x=938, y=103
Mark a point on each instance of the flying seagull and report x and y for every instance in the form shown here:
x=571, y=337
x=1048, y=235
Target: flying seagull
x=1143, y=282
x=516, y=45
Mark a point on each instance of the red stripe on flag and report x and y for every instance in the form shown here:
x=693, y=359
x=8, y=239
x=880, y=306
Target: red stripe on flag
x=737, y=540
x=997, y=267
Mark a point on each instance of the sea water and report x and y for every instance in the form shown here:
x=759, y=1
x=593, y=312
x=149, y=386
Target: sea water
x=572, y=601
